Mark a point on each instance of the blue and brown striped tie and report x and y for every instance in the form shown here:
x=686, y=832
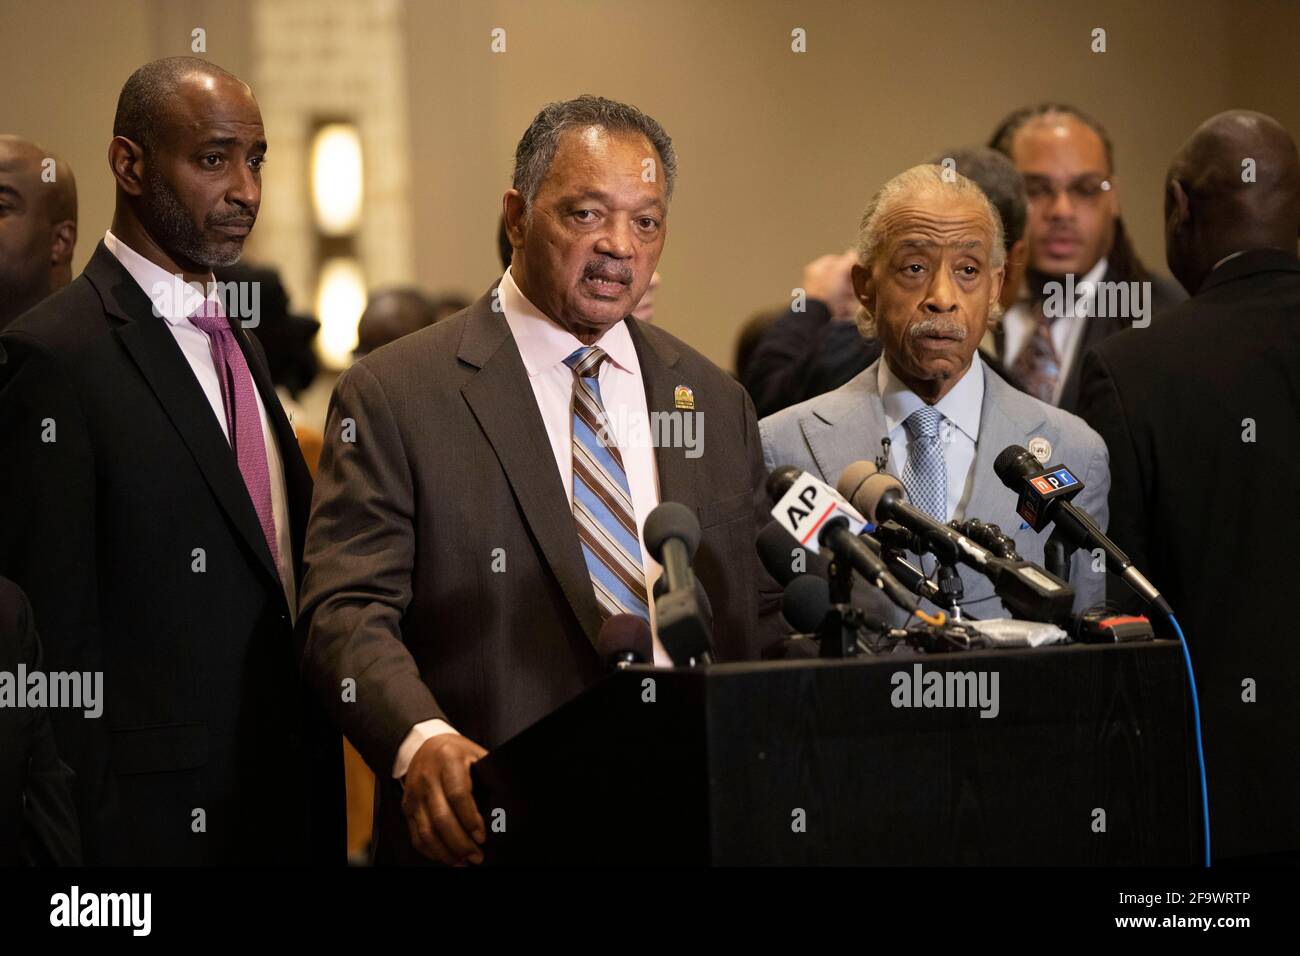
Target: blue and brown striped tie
x=602, y=501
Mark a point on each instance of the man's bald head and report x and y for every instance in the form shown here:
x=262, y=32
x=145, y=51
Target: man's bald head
x=187, y=153
x=144, y=107
x=1234, y=186
x=391, y=314
x=59, y=199
x=38, y=225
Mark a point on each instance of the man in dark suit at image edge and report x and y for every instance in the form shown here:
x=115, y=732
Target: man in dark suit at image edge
x=153, y=503
x=1201, y=413
x=477, y=441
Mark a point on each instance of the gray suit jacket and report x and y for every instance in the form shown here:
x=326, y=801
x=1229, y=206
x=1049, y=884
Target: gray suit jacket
x=824, y=435
x=443, y=570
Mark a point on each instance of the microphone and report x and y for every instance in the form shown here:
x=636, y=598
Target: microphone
x=909, y=576
x=701, y=598
x=1045, y=499
x=806, y=602
x=780, y=481
x=1027, y=590
x=836, y=534
x=624, y=639
x=672, y=535
x=784, y=557
x=881, y=498
x=989, y=536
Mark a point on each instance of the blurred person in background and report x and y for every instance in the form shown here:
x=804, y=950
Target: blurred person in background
x=1074, y=231
x=38, y=225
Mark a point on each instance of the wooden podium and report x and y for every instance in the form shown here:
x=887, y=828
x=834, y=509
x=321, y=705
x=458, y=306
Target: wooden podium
x=1087, y=761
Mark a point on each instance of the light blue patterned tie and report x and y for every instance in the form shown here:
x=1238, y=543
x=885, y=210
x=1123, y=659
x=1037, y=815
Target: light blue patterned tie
x=925, y=476
x=602, y=500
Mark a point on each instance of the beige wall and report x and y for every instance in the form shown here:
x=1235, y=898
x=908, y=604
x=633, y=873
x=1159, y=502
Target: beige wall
x=60, y=80
x=62, y=63
x=778, y=151
x=1264, y=64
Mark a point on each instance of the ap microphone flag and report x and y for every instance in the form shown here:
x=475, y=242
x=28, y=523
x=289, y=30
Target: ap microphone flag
x=806, y=507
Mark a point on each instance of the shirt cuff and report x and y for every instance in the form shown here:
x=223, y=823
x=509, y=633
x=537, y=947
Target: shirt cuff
x=415, y=739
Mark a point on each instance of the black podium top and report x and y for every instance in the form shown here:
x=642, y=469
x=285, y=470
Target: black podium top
x=1063, y=755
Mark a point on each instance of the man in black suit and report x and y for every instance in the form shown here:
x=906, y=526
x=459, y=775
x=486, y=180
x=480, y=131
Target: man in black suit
x=153, y=504
x=1201, y=417
x=1085, y=281
x=482, y=493
x=38, y=813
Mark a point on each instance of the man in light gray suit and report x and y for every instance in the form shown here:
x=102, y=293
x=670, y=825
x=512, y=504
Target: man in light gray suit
x=931, y=261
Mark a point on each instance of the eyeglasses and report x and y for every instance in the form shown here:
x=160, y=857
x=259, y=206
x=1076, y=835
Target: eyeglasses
x=1085, y=190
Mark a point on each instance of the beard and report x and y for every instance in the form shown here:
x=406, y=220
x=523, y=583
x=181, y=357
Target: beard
x=177, y=232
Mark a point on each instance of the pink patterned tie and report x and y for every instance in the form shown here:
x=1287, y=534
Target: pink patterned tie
x=243, y=423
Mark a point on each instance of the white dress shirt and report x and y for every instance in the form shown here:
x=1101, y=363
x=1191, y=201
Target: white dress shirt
x=959, y=427
x=174, y=301
x=1066, y=331
x=544, y=345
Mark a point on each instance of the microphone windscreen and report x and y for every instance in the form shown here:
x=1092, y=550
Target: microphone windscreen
x=1016, y=464
x=784, y=557
x=806, y=602
x=863, y=485
x=625, y=633
x=780, y=480
x=671, y=520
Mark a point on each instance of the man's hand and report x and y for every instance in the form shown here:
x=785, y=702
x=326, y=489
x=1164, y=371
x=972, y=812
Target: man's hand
x=829, y=278
x=445, y=824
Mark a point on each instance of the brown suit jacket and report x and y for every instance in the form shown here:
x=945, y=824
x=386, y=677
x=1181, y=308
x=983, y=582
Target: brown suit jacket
x=436, y=469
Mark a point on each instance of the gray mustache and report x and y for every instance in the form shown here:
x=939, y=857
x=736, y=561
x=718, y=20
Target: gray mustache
x=601, y=270
x=944, y=328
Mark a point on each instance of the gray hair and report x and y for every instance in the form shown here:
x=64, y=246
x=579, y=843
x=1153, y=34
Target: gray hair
x=536, y=149
x=926, y=178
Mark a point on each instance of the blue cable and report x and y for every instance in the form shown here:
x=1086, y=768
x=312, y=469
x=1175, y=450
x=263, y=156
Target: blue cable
x=1200, y=750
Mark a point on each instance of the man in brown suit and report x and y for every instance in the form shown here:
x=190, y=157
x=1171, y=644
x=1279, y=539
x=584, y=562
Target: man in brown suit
x=468, y=537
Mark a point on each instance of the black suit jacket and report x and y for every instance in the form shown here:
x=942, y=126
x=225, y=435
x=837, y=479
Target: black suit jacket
x=803, y=355
x=116, y=473
x=444, y=574
x=38, y=816
x=1212, y=519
